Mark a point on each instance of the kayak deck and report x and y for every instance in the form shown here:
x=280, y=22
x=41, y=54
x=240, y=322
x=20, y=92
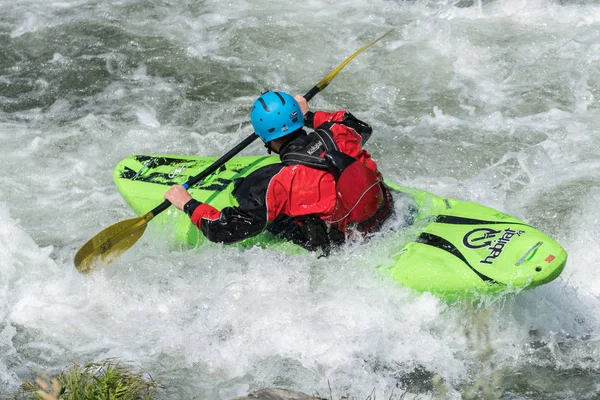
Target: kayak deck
x=453, y=248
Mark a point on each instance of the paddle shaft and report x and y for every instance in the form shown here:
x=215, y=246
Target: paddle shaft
x=222, y=160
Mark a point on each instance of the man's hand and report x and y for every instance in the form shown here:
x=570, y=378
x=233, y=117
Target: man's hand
x=302, y=103
x=178, y=196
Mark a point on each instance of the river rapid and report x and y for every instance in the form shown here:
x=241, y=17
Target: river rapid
x=495, y=102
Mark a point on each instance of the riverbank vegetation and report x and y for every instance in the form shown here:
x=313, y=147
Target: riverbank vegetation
x=109, y=379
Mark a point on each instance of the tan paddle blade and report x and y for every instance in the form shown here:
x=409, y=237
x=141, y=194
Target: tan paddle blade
x=325, y=81
x=111, y=242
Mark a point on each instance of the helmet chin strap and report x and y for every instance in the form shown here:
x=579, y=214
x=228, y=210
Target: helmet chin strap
x=269, y=149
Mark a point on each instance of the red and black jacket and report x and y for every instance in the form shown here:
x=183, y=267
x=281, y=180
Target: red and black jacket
x=303, y=185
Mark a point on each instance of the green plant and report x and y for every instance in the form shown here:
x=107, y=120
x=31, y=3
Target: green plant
x=105, y=380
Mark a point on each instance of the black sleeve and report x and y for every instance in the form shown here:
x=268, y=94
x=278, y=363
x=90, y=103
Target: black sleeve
x=249, y=218
x=235, y=224
x=309, y=119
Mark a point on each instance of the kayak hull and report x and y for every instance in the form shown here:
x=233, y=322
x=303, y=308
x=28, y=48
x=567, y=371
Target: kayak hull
x=452, y=248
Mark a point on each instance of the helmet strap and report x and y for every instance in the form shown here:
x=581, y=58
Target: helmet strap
x=268, y=146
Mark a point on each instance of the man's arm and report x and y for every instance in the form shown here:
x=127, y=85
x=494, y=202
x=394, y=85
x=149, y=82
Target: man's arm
x=228, y=225
x=315, y=119
x=232, y=224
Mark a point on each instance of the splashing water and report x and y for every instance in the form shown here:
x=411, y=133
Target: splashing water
x=494, y=102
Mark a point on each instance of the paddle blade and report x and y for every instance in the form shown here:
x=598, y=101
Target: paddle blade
x=325, y=81
x=110, y=243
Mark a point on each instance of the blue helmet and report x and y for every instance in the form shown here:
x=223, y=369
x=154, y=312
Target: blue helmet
x=274, y=115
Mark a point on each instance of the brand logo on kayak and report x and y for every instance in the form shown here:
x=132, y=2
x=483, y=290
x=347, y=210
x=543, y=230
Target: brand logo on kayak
x=494, y=240
x=478, y=238
x=177, y=171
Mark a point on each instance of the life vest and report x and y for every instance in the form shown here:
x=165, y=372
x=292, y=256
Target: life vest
x=360, y=192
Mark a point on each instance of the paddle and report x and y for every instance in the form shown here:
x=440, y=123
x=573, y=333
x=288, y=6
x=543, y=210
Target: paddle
x=117, y=238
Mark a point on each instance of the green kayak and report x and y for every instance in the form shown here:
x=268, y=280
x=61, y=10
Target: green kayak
x=451, y=248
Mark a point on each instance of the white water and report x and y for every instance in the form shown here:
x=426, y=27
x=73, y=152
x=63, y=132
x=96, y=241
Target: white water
x=495, y=103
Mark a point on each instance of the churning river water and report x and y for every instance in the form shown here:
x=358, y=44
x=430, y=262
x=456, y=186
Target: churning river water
x=496, y=102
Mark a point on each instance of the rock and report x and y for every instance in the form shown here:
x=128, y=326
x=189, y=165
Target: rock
x=277, y=394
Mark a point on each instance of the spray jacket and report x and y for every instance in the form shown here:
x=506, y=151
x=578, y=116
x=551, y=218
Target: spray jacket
x=325, y=183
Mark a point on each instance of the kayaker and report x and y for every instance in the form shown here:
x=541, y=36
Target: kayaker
x=325, y=188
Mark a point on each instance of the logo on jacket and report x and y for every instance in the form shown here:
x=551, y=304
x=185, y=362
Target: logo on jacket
x=494, y=240
x=311, y=150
